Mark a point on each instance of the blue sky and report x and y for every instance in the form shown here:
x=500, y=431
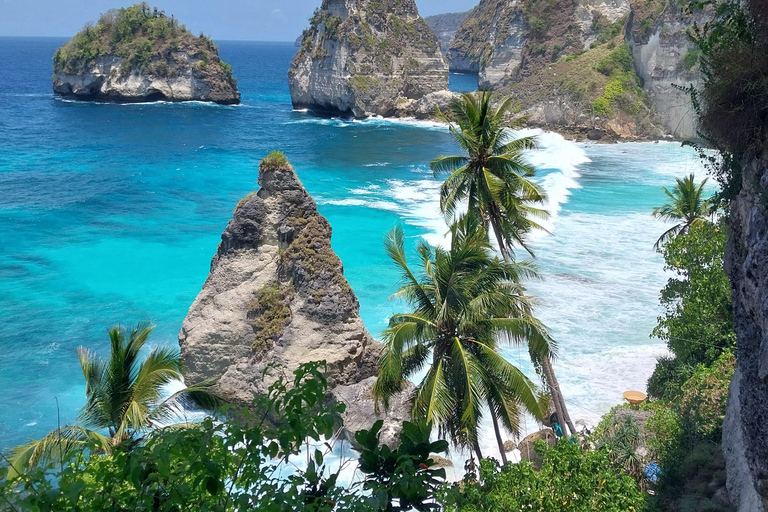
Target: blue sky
x=261, y=20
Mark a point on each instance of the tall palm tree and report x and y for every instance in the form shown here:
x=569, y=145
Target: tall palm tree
x=493, y=178
x=462, y=300
x=124, y=398
x=686, y=205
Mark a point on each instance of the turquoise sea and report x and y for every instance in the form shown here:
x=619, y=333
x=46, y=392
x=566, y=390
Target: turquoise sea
x=111, y=214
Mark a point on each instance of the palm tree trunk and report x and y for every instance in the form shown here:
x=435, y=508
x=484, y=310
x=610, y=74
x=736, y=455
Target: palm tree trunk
x=498, y=438
x=500, y=241
x=549, y=373
x=476, y=447
x=557, y=396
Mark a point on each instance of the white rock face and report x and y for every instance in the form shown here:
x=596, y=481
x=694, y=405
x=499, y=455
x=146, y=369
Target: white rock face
x=362, y=58
x=506, y=56
x=659, y=62
x=104, y=81
x=278, y=241
x=610, y=10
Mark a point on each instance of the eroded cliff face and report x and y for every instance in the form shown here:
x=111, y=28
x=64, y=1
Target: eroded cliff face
x=276, y=294
x=665, y=60
x=488, y=27
x=185, y=80
x=366, y=57
x=445, y=26
x=522, y=46
x=745, y=430
x=138, y=53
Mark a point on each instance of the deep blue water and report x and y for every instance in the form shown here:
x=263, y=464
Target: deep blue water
x=111, y=214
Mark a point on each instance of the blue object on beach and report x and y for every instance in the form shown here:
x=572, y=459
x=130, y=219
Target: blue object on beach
x=558, y=430
x=652, y=472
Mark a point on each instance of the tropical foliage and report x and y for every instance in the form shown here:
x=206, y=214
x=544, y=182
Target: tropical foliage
x=492, y=177
x=686, y=205
x=245, y=464
x=403, y=478
x=570, y=478
x=697, y=323
x=124, y=400
x=463, y=300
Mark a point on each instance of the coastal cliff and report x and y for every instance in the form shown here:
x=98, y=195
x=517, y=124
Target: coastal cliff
x=745, y=430
x=445, y=26
x=364, y=57
x=550, y=54
x=666, y=60
x=140, y=54
x=276, y=294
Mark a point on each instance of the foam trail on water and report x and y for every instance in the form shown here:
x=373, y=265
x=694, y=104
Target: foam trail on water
x=564, y=156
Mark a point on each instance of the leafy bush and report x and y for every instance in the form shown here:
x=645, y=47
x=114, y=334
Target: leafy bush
x=601, y=106
x=620, y=60
x=401, y=479
x=570, y=479
x=703, y=400
x=274, y=159
x=537, y=25
x=697, y=323
x=214, y=465
x=691, y=58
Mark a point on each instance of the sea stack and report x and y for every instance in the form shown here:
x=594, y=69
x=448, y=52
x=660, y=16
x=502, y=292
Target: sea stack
x=364, y=57
x=276, y=294
x=141, y=54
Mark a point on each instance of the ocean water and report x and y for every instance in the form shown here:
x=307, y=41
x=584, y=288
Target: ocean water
x=111, y=214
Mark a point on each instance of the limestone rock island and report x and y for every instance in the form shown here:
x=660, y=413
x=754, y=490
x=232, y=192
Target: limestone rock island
x=276, y=293
x=141, y=54
x=365, y=57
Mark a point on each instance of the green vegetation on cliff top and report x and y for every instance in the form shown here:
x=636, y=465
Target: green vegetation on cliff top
x=600, y=81
x=145, y=39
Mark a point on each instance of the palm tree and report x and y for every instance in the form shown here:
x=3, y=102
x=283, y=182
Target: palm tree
x=686, y=206
x=492, y=177
x=462, y=299
x=124, y=397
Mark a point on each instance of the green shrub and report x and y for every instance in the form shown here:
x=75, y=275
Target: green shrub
x=703, y=399
x=537, y=25
x=570, y=479
x=601, y=106
x=620, y=60
x=274, y=159
x=697, y=324
x=218, y=464
x=404, y=474
x=691, y=58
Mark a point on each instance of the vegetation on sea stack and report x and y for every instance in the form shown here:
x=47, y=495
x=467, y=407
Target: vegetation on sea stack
x=145, y=39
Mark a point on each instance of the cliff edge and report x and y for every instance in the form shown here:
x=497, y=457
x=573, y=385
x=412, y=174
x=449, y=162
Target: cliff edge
x=745, y=429
x=276, y=293
x=364, y=57
x=140, y=54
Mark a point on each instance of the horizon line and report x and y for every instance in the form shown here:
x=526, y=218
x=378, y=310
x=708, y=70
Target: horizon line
x=227, y=40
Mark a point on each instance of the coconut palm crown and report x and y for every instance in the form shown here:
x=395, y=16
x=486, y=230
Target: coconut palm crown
x=492, y=177
x=686, y=205
x=124, y=399
x=461, y=300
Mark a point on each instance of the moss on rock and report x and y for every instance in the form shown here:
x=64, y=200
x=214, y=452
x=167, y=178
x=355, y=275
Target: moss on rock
x=270, y=313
